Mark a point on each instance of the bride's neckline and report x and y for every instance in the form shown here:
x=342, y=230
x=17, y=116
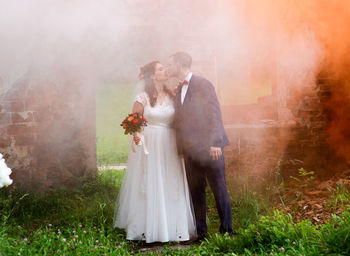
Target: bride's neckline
x=162, y=103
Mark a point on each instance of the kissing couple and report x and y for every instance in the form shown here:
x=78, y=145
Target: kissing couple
x=163, y=197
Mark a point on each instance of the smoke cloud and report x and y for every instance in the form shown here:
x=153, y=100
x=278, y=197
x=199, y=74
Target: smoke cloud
x=246, y=48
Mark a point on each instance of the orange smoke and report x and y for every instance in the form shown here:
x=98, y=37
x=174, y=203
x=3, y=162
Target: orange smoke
x=332, y=22
x=328, y=22
x=330, y=19
x=274, y=47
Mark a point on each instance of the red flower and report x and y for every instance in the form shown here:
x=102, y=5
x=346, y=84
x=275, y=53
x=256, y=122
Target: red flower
x=133, y=123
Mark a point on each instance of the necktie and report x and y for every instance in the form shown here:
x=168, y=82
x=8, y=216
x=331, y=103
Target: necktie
x=182, y=84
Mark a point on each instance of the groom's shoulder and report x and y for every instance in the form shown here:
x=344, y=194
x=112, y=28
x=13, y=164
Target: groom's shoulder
x=201, y=80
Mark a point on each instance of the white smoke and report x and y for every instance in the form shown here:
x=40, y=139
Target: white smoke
x=243, y=47
x=5, y=172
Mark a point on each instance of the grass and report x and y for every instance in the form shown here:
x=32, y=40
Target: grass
x=69, y=222
x=79, y=222
x=113, y=103
x=277, y=234
x=339, y=197
x=93, y=200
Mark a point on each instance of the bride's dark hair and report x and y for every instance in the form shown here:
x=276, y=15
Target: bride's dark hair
x=147, y=72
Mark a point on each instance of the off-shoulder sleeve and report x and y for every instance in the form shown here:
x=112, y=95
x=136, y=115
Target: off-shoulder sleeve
x=141, y=98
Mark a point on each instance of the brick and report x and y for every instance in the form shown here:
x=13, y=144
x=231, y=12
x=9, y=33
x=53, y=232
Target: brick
x=34, y=103
x=21, y=176
x=42, y=116
x=19, y=129
x=5, y=118
x=22, y=117
x=14, y=94
x=6, y=105
x=13, y=106
x=5, y=142
x=17, y=106
x=25, y=139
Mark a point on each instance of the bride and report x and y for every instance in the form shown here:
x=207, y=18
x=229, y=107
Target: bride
x=154, y=204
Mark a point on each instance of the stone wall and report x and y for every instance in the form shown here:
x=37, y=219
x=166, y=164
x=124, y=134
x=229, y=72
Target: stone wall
x=48, y=129
x=262, y=146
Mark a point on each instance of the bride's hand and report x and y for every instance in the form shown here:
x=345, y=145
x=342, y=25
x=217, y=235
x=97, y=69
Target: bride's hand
x=136, y=139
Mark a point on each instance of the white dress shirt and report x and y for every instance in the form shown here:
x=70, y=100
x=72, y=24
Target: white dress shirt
x=185, y=87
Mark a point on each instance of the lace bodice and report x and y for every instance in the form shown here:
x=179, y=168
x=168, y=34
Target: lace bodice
x=158, y=115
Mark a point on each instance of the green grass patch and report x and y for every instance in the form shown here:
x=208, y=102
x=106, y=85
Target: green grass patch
x=113, y=103
x=340, y=197
x=79, y=222
x=70, y=222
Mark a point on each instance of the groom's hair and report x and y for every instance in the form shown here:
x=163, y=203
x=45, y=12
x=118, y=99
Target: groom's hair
x=182, y=58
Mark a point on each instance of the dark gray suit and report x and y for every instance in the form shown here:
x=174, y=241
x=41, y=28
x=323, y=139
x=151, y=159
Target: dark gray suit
x=199, y=126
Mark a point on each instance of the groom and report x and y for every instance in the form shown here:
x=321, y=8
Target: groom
x=200, y=138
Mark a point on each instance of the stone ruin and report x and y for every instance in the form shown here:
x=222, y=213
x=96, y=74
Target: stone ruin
x=264, y=141
x=48, y=129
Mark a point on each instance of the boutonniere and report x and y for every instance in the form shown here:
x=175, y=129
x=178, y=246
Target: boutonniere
x=178, y=88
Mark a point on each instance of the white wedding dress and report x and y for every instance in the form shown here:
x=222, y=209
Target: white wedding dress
x=154, y=204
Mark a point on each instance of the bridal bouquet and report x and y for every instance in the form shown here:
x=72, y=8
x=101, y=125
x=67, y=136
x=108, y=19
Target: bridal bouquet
x=133, y=123
x=5, y=172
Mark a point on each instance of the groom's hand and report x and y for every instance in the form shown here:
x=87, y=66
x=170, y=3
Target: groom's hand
x=215, y=153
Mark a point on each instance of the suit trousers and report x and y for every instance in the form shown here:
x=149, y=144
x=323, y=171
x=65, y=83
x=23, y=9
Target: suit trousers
x=198, y=173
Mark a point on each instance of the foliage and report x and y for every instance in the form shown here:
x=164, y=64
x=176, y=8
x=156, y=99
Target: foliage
x=63, y=206
x=339, y=197
x=79, y=222
x=304, y=178
x=48, y=223
x=277, y=234
x=76, y=239
x=335, y=235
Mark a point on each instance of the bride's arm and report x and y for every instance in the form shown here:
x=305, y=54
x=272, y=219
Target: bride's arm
x=137, y=107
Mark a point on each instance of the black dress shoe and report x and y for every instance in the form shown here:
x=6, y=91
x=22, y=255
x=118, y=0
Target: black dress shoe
x=232, y=234
x=191, y=241
x=197, y=240
x=202, y=237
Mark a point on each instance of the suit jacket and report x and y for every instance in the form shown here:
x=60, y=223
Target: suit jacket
x=198, y=121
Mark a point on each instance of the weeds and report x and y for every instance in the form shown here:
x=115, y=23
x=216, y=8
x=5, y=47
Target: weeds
x=79, y=222
x=339, y=197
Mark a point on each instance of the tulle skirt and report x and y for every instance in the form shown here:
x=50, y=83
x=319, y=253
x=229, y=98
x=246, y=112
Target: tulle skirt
x=154, y=202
